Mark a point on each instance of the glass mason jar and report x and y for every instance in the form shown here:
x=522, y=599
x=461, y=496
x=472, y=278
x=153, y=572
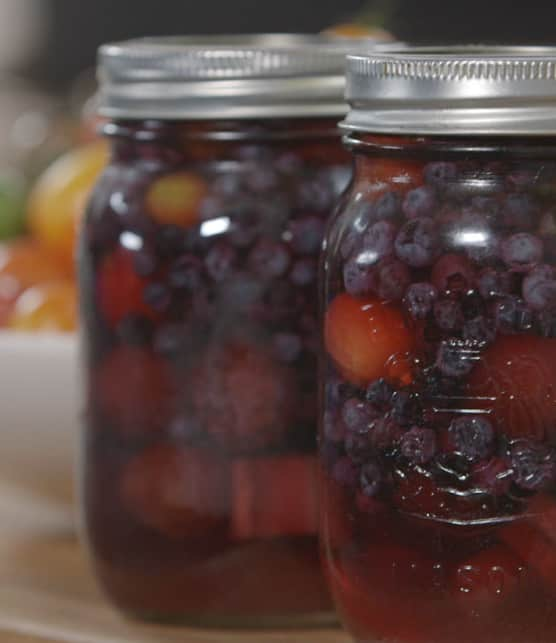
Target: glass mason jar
x=198, y=265
x=438, y=433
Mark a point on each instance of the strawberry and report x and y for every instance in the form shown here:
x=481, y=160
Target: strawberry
x=490, y=575
x=136, y=391
x=181, y=493
x=243, y=397
x=364, y=336
x=274, y=496
x=516, y=382
x=120, y=290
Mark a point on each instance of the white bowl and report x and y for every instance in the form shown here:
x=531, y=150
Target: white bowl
x=40, y=394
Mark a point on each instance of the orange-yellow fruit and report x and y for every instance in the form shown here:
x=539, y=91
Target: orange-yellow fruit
x=57, y=202
x=175, y=199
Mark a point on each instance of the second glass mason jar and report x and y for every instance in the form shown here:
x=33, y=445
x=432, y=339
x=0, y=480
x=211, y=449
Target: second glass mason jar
x=198, y=266
x=438, y=443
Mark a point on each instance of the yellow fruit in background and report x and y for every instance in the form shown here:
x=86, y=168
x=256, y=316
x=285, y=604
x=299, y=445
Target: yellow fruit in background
x=57, y=201
x=175, y=199
x=355, y=30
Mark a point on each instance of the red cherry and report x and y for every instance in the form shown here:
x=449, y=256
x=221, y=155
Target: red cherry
x=364, y=336
x=274, y=496
x=489, y=575
x=178, y=492
x=120, y=289
x=515, y=380
x=136, y=391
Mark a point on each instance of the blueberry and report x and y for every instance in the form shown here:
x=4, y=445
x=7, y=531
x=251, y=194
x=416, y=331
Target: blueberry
x=358, y=415
x=539, y=287
x=378, y=242
x=493, y=283
x=303, y=272
x=333, y=429
x=287, y=346
x=392, y=279
x=533, y=464
x=512, y=315
x=493, y=476
x=269, y=259
x=371, y=478
x=384, y=433
x=315, y=193
x=480, y=329
x=440, y=174
x=388, y=206
x=261, y=179
x=245, y=229
x=488, y=207
x=220, y=261
x=546, y=323
x=186, y=272
x=170, y=339
x=456, y=358
x=417, y=242
x=418, y=445
x=419, y=202
x=349, y=242
x=406, y=407
x=157, y=296
x=520, y=211
x=170, y=241
x=448, y=314
x=306, y=235
x=379, y=392
x=471, y=437
x=419, y=299
x=358, y=446
x=145, y=262
x=346, y=472
x=359, y=277
x=522, y=251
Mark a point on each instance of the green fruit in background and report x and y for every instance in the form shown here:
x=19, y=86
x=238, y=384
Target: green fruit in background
x=12, y=204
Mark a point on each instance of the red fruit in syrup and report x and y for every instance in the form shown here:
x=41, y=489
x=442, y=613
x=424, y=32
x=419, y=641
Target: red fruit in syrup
x=120, y=289
x=274, y=496
x=136, y=390
x=180, y=493
x=364, y=336
x=515, y=380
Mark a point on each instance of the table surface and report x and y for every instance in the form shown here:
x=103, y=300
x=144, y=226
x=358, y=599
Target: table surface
x=47, y=594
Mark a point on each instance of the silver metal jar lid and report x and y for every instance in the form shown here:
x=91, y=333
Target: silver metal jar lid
x=454, y=91
x=209, y=77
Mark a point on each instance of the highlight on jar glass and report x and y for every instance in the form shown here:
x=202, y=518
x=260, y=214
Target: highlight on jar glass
x=438, y=435
x=198, y=266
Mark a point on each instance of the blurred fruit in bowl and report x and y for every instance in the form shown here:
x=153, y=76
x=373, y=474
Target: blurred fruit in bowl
x=49, y=306
x=57, y=201
x=24, y=263
x=355, y=30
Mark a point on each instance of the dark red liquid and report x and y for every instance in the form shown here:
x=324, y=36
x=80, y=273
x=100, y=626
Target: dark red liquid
x=439, y=432
x=198, y=275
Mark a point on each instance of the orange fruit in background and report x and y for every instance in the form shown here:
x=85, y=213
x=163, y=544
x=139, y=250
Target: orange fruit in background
x=355, y=30
x=57, y=202
x=24, y=263
x=175, y=199
x=49, y=306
